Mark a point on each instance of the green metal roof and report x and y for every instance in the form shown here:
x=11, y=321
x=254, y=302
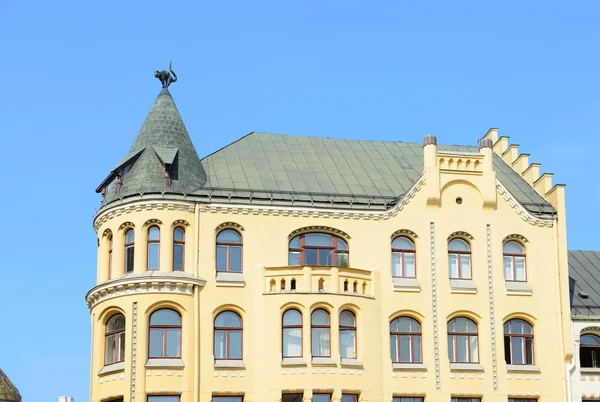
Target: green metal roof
x=584, y=280
x=8, y=391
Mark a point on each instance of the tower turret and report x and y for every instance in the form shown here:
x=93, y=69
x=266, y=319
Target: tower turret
x=8, y=391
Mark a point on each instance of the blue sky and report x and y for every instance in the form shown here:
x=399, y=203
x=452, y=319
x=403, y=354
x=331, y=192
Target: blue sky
x=77, y=84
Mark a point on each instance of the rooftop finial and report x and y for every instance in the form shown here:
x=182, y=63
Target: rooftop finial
x=165, y=77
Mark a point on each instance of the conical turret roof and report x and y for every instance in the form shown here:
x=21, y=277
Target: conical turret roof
x=8, y=391
x=162, y=158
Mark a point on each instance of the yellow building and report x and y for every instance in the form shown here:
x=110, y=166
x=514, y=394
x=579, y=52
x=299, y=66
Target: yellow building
x=286, y=268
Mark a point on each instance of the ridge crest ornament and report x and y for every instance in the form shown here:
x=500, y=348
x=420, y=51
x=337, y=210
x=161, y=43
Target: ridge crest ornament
x=166, y=77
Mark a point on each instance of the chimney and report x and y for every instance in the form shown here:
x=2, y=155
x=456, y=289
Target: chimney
x=431, y=170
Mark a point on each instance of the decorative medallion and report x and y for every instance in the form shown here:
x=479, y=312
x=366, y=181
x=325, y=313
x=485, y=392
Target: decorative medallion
x=460, y=234
x=230, y=225
x=319, y=229
x=404, y=232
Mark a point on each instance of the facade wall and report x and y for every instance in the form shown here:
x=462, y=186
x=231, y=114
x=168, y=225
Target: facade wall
x=484, y=218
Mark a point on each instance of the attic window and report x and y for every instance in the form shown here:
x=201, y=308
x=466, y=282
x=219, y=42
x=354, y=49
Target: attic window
x=583, y=294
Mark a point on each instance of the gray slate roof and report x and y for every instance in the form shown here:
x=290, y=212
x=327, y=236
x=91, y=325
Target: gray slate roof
x=284, y=169
x=584, y=278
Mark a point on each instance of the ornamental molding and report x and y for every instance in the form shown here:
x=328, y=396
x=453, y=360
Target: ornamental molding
x=134, y=315
x=488, y=230
x=434, y=304
x=180, y=222
x=326, y=229
x=148, y=282
x=460, y=234
x=157, y=205
x=152, y=222
x=229, y=225
x=404, y=232
x=515, y=237
x=519, y=209
x=126, y=225
x=590, y=329
x=106, y=232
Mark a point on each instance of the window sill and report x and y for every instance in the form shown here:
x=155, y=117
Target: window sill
x=590, y=370
x=518, y=288
x=466, y=367
x=351, y=363
x=170, y=363
x=409, y=366
x=235, y=279
x=528, y=368
x=239, y=364
x=112, y=368
x=462, y=286
x=323, y=361
x=406, y=285
x=293, y=361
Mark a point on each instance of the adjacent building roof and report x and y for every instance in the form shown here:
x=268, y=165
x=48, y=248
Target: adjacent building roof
x=282, y=169
x=584, y=283
x=8, y=391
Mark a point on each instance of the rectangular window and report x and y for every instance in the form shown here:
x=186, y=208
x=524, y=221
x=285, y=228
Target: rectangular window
x=129, y=259
x=173, y=342
x=235, y=264
x=221, y=258
x=321, y=397
x=294, y=258
x=227, y=399
x=465, y=400
x=407, y=399
x=348, y=344
x=163, y=398
x=349, y=398
x=523, y=400
x=292, y=342
x=220, y=345
x=291, y=397
x=153, y=256
x=320, y=342
x=156, y=342
x=177, y=257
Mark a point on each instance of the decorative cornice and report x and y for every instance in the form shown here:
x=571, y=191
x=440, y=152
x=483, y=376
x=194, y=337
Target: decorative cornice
x=150, y=205
x=148, y=282
x=106, y=232
x=515, y=237
x=152, y=222
x=319, y=229
x=126, y=225
x=460, y=234
x=180, y=222
x=404, y=232
x=519, y=209
x=229, y=225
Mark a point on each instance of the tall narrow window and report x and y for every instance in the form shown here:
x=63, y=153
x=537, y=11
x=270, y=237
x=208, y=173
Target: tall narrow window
x=129, y=248
x=110, y=248
x=403, y=258
x=318, y=397
x=114, y=339
x=165, y=333
x=153, y=247
x=405, y=340
x=292, y=333
x=320, y=333
x=347, y=335
x=459, y=259
x=229, y=251
x=518, y=342
x=514, y=262
x=228, y=336
x=463, y=345
x=318, y=249
x=589, y=351
x=178, y=248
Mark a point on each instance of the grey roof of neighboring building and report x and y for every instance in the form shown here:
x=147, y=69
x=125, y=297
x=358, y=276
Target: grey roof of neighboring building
x=284, y=169
x=584, y=279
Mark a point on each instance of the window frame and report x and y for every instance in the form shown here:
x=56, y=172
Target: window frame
x=291, y=326
x=513, y=257
x=460, y=253
x=126, y=246
x=402, y=252
x=511, y=335
x=321, y=326
x=229, y=244
x=182, y=243
x=411, y=334
x=150, y=242
x=116, y=334
x=228, y=336
x=165, y=327
x=348, y=328
x=110, y=254
x=334, y=249
x=455, y=334
x=321, y=393
x=595, y=354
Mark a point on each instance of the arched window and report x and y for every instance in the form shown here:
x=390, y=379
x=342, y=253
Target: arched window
x=589, y=351
x=110, y=248
x=405, y=340
x=347, y=335
x=514, y=261
x=153, y=247
x=114, y=339
x=320, y=337
x=292, y=333
x=403, y=258
x=318, y=249
x=463, y=345
x=518, y=342
x=129, y=248
x=228, y=336
x=459, y=259
x=178, y=248
x=165, y=333
x=229, y=251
